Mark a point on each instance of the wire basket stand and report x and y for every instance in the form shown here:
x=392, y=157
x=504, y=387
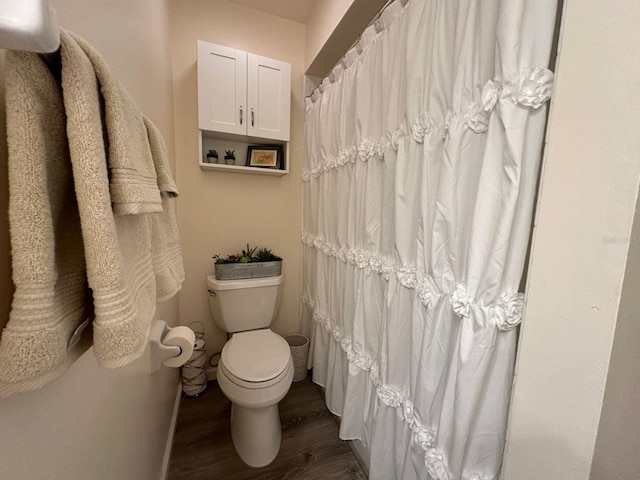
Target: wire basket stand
x=194, y=371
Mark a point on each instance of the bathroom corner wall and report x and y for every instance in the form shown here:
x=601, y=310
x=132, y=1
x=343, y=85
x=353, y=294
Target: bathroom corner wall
x=94, y=423
x=220, y=212
x=616, y=451
x=574, y=411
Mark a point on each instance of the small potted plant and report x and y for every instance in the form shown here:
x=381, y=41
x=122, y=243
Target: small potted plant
x=250, y=263
x=230, y=157
x=212, y=156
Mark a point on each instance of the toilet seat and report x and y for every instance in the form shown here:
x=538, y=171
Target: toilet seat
x=255, y=359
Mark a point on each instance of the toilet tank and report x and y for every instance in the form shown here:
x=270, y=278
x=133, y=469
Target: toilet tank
x=249, y=304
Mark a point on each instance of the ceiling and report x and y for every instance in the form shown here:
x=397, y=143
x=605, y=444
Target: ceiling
x=296, y=10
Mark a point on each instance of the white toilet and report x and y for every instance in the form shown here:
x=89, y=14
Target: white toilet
x=256, y=368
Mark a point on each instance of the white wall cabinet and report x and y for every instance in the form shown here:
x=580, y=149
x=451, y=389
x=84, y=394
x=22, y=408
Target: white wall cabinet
x=243, y=94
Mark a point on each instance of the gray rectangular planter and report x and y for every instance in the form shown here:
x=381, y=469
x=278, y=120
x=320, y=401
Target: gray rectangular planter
x=238, y=271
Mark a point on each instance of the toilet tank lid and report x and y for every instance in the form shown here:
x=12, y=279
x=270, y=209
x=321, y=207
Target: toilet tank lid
x=215, y=284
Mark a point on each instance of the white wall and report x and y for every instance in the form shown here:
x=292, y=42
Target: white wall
x=94, y=423
x=581, y=242
x=618, y=442
x=91, y=423
x=323, y=20
x=220, y=212
x=333, y=26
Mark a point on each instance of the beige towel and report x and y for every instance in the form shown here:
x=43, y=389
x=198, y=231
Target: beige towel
x=123, y=252
x=47, y=253
x=129, y=260
x=160, y=158
x=133, y=187
x=165, y=246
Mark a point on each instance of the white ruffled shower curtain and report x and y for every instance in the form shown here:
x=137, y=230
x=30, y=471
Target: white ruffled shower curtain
x=422, y=155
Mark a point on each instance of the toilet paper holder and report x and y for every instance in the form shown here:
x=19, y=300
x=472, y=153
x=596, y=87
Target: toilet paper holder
x=171, y=347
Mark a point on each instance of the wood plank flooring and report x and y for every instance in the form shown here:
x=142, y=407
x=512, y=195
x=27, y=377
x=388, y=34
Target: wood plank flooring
x=310, y=449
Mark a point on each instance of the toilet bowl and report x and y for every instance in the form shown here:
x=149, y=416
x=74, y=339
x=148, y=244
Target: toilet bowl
x=255, y=373
x=256, y=369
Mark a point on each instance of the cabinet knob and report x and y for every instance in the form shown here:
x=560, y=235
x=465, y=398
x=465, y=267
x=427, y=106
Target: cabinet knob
x=252, y=117
x=241, y=115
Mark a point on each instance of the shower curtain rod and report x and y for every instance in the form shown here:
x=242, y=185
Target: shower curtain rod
x=374, y=20
x=29, y=25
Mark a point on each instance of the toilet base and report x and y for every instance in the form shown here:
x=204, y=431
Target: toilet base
x=256, y=434
x=255, y=421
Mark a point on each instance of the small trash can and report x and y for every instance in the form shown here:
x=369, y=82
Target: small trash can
x=299, y=345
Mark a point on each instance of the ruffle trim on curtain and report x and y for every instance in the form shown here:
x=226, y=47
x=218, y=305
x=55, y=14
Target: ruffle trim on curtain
x=505, y=313
x=422, y=436
x=532, y=89
x=410, y=298
x=391, y=397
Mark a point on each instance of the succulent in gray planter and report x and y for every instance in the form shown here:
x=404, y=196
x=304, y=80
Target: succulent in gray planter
x=250, y=263
x=212, y=156
x=230, y=157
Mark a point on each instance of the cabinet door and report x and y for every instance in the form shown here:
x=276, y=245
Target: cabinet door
x=222, y=86
x=268, y=97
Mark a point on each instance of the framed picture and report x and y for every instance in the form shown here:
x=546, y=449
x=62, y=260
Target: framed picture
x=264, y=156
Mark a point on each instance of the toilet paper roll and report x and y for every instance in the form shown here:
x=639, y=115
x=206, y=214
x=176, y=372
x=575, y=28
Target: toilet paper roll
x=195, y=385
x=198, y=362
x=199, y=357
x=199, y=345
x=184, y=338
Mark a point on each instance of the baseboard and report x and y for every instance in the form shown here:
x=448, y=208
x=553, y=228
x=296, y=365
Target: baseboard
x=164, y=473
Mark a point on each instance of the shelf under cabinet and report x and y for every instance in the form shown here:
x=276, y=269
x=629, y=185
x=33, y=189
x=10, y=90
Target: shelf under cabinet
x=219, y=167
x=221, y=142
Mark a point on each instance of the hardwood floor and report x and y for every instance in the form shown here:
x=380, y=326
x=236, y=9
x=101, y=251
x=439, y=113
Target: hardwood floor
x=310, y=449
